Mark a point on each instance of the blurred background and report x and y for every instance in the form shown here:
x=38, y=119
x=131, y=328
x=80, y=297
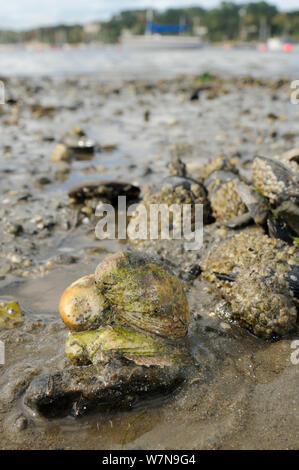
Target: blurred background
x=142, y=38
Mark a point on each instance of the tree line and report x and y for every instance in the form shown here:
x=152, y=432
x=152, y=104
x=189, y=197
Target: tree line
x=227, y=22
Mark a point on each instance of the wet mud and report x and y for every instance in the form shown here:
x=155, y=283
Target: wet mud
x=243, y=392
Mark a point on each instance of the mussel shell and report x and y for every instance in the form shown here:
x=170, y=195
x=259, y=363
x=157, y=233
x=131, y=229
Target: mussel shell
x=255, y=203
x=189, y=184
x=109, y=190
x=277, y=228
x=225, y=201
x=273, y=177
x=258, y=276
x=240, y=221
x=218, y=178
x=81, y=145
x=293, y=280
x=289, y=212
x=179, y=190
x=261, y=303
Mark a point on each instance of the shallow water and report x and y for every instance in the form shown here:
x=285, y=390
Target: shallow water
x=116, y=62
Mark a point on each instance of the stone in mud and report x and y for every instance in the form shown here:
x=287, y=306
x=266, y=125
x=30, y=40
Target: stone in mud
x=279, y=182
x=40, y=110
x=103, y=190
x=262, y=302
x=177, y=167
x=82, y=306
x=11, y=315
x=118, y=386
x=253, y=273
x=60, y=154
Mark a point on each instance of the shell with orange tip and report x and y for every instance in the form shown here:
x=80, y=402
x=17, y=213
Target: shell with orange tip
x=82, y=306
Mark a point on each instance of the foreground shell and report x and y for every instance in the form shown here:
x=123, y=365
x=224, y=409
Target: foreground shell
x=143, y=294
x=122, y=365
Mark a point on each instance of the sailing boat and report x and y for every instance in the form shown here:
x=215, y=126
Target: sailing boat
x=159, y=36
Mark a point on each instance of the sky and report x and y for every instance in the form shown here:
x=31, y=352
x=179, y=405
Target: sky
x=23, y=14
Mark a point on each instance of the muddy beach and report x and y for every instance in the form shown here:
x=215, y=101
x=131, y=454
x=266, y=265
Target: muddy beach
x=58, y=133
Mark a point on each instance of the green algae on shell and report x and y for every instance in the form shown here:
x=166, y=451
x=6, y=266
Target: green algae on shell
x=96, y=346
x=11, y=314
x=82, y=306
x=143, y=294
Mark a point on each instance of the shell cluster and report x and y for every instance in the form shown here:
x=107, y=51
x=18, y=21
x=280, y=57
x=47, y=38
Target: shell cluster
x=257, y=271
x=126, y=306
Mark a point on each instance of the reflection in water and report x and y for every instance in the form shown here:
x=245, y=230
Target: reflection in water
x=115, y=62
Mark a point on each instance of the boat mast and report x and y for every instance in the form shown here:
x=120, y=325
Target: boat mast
x=182, y=25
x=149, y=20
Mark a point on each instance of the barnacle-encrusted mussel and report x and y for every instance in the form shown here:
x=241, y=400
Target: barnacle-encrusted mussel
x=272, y=200
x=223, y=194
x=172, y=191
x=274, y=178
x=127, y=326
x=233, y=201
x=278, y=180
x=219, y=162
x=258, y=277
